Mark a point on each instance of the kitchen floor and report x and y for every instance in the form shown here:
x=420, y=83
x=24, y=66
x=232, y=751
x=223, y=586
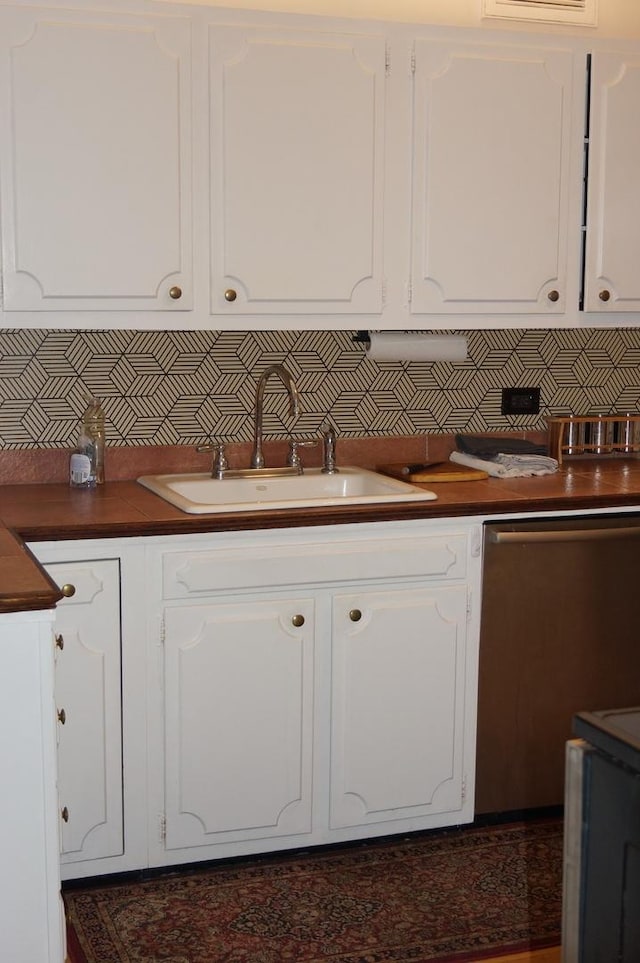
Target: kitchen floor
x=551, y=955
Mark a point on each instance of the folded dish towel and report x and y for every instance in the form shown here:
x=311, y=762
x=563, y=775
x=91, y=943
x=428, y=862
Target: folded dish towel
x=508, y=466
x=488, y=446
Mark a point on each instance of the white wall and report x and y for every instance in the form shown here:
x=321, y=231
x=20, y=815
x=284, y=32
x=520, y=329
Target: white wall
x=617, y=18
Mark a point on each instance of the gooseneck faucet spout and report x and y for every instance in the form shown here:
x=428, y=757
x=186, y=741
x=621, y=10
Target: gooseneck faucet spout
x=257, y=458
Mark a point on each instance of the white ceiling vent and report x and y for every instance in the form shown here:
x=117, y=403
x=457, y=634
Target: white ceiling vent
x=582, y=12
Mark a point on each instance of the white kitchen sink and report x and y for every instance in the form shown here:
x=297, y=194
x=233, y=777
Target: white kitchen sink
x=199, y=493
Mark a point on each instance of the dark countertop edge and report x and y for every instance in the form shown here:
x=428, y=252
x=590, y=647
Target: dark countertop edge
x=45, y=597
x=29, y=603
x=274, y=519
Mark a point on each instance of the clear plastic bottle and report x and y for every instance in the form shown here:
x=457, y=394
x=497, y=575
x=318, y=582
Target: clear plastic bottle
x=86, y=468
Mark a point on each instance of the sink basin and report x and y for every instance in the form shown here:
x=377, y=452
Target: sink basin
x=198, y=493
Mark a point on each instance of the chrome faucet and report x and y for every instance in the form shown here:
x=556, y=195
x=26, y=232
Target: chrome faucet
x=329, y=440
x=257, y=457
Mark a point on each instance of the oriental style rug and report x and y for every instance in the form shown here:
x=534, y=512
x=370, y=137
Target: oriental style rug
x=461, y=894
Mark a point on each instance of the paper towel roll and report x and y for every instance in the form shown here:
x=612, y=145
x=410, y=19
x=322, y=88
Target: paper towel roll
x=399, y=346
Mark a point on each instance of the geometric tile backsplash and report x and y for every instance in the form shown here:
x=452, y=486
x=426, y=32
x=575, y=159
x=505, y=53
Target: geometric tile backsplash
x=171, y=388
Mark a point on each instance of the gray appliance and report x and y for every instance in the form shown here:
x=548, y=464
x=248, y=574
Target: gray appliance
x=601, y=898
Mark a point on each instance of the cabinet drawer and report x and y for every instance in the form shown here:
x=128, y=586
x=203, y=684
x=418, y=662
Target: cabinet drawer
x=256, y=565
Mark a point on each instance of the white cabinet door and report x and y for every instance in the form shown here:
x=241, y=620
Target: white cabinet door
x=88, y=702
x=492, y=130
x=95, y=161
x=297, y=127
x=612, y=280
x=238, y=721
x=31, y=910
x=398, y=672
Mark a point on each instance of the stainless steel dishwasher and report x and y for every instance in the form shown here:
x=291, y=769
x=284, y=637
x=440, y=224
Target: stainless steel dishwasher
x=560, y=634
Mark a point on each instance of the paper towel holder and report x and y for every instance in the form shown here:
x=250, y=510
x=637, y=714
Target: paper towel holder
x=412, y=346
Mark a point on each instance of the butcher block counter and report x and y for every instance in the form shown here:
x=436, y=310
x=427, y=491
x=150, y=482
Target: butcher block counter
x=123, y=508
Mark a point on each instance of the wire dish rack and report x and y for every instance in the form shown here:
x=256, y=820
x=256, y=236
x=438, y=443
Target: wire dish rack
x=593, y=435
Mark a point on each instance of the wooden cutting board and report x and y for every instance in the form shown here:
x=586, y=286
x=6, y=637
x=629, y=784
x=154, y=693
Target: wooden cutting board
x=440, y=471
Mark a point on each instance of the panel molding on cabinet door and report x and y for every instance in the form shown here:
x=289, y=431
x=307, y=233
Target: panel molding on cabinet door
x=238, y=723
x=96, y=161
x=88, y=699
x=297, y=129
x=611, y=281
x=492, y=129
x=398, y=705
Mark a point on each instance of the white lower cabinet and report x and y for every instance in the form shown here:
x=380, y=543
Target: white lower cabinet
x=243, y=692
x=238, y=720
x=100, y=709
x=88, y=705
x=311, y=687
x=31, y=910
x=398, y=670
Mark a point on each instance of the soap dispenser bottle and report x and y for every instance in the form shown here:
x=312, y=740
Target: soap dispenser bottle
x=87, y=461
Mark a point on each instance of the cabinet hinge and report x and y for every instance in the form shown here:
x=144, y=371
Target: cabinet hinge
x=409, y=291
x=162, y=827
x=163, y=631
x=383, y=292
x=463, y=788
x=469, y=604
x=387, y=60
x=476, y=543
x=412, y=62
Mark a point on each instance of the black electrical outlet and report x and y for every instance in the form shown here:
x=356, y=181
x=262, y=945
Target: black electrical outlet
x=520, y=401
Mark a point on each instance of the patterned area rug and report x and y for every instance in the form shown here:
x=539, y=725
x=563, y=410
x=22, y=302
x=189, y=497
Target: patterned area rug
x=463, y=894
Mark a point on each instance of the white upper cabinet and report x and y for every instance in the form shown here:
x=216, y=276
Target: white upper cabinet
x=491, y=151
x=612, y=280
x=297, y=150
x=195, y=167
x=96, y=168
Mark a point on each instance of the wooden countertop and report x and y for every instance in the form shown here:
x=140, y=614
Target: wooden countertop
x=42, y=512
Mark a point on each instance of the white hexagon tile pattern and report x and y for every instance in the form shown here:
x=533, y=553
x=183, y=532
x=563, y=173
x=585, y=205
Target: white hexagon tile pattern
x=169, y=388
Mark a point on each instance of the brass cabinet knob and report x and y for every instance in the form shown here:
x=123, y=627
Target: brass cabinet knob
x=68, y=590
x=604, y=295
x=553, y=296
x=65, y=814
x=230, y=294
x=298, y=620
x=60, y=642
x=355, y=615
x=175, y=293
x=62, y=716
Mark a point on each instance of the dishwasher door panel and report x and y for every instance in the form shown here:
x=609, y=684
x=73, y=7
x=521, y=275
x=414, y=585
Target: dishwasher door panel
x=559, y=635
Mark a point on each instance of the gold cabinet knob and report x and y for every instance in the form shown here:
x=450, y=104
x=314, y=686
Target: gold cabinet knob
x=175, y=293
x=604, y=295
x=60, y=642
x=297, y=620
x=62, y=716
x=553, y=296
x=355, y=615
x=68, y=590
x=65, y=814
x=230, y=294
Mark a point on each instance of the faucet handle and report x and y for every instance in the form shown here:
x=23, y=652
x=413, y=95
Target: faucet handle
x=220, y=463
x=329, y=441
x=293, y=459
